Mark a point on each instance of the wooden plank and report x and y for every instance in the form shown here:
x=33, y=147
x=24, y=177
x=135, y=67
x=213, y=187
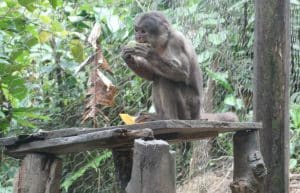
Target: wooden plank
x=271, y=89
x=158, y=127
x=63, y=145
x=76, y=140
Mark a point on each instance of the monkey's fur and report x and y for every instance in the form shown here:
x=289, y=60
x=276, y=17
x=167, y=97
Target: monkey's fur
x=164, y=56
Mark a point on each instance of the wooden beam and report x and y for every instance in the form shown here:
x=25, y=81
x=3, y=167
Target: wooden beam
x=271, y=89
x=159, y=128
x=76, y=139
x=63, y=145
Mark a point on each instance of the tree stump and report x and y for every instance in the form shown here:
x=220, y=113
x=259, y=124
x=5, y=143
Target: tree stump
x=153, y=168
x=249, y=167
x=39, y=173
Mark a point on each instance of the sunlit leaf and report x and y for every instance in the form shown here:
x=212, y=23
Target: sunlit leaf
x=230, y=100
x=57, y=27
x=128, y=120
x=77, y=50
x=205, y=56
x=293, y=163
x=45, y=19
x=44, y=36
x=75, y=19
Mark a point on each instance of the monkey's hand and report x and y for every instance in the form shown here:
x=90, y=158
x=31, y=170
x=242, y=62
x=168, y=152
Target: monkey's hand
x=127, y=54
x=144, y=51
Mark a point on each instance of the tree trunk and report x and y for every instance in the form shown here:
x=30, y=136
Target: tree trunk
x=271, y=86
x=39, y=173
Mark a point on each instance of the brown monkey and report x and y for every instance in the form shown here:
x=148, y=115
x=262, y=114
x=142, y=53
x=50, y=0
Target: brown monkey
x=164, y=56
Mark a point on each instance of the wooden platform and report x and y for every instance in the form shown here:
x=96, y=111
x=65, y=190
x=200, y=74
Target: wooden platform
x=73, y=140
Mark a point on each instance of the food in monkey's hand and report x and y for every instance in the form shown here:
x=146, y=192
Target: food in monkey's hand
x=133, y=43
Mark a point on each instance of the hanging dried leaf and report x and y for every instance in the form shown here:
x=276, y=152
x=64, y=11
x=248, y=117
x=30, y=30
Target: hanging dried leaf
x=101, y=90
x=94, y=35
x=103, y=62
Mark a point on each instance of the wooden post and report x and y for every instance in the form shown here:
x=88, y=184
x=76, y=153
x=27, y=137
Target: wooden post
x=153, y=168
x=123, y=165
x=39, y=173
x=249, y=168
x=271, y=89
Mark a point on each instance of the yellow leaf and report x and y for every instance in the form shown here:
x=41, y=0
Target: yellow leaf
x=44, y=36
x=45, y=19
x=128, y=120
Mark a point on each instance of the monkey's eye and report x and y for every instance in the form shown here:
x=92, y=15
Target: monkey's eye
x=143, y=31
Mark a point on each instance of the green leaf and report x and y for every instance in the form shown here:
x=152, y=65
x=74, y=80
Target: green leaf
x=220, y=78
x=230, y=100
x=45, y=19
x=10, y=3
x=15, y=86
x=217, y=39
x=92, y=164
x=2, y=115
x=57, y=27
x=28, y=113
x=293, y=163
x=53, y=3
x=77, y=50
x=75, y=19
x=24, y=122
x=28, y=4
x=205, y=56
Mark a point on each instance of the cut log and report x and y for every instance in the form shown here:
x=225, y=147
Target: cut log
x=153, y=168
x=39, y=173
x=123, y=166
x=249, y=167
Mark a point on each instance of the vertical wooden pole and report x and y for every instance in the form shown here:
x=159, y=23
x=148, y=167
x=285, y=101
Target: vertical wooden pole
x=153, y=168
x=249, y=167
x=39, y=173
x=123, y=165
x=271, y=88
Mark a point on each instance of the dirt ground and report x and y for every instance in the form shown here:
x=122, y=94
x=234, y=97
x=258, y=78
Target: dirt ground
x=212, y=183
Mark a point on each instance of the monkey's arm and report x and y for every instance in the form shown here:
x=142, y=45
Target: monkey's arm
x=137, y=64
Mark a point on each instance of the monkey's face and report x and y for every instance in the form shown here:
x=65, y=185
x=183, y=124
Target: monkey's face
x=141, y=35
x=151, y=28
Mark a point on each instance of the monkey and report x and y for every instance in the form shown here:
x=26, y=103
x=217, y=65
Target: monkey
x=164, y=56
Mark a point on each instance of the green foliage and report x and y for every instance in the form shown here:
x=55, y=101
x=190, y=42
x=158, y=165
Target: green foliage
x=295, y=136
x=92, y=164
